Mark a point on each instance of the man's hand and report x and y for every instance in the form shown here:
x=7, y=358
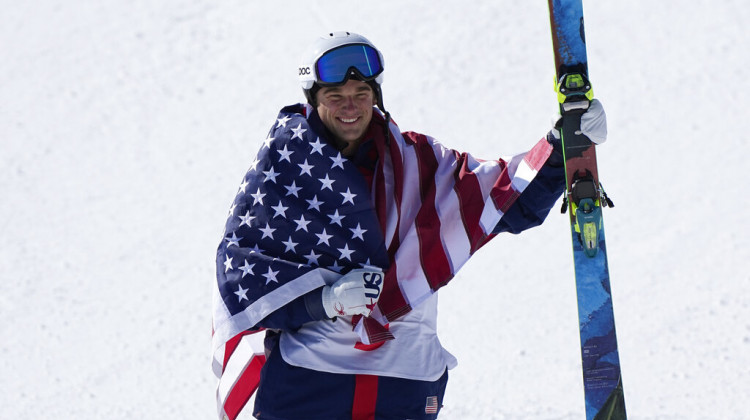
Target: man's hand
x=355, y=293
x=593, y=123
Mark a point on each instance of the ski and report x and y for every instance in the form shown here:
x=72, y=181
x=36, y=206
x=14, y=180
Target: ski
x=583, y=200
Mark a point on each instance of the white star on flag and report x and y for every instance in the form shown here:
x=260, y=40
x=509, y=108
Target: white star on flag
x=227, y=263
x=271, y=275
x=335, y=267
x=348, y=196
x=247, y=269
x=358, y=232
x=258, y=197
x=323, y=237
x=298, y=132
x=305, y=168
x=302, y=223
x=234, y=240
x=314, y=203
x=241, y=293
x=246, y=219
x=327, y=183
x=280, y=210
x=317, y=146
x=267, y=231
x=346, y=253
x=271, y=175
x=312, y=257
x=292, y=189
x=290, y=245
x=285, y=154
x=243, y=185
x=282, y=121
x=338, y=161
x=336, y=218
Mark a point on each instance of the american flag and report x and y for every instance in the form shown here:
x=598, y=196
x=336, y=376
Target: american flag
x=304, y=214
x=431, y=406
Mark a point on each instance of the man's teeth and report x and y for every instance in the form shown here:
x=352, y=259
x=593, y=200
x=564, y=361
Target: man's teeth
x=348, y=120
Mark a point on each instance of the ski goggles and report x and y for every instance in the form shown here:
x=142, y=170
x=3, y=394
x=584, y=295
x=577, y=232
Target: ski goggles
x=335, y=66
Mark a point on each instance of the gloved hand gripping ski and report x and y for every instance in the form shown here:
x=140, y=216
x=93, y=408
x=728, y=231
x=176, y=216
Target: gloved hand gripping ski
x=593, y=123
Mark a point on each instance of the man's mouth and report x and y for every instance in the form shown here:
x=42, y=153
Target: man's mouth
x=348, y=120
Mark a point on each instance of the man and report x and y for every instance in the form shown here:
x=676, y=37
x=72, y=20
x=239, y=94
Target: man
x=341, y=233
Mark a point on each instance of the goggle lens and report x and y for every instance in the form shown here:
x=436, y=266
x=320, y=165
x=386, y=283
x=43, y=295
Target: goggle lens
x=333, y=67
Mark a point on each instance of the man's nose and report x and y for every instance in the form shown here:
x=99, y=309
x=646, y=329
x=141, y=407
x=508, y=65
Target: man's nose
x=348, y=102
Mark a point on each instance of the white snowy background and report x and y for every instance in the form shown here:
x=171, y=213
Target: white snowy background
x=126, y=126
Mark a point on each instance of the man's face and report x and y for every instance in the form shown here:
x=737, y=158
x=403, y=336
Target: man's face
x=346, y=111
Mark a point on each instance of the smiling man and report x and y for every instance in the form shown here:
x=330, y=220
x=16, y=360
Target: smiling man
x=346, y=111
x=342, y=232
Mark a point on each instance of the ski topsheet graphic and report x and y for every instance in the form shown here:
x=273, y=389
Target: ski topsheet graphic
x=584, y=199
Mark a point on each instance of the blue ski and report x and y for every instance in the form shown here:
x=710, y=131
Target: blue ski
x=584, y=198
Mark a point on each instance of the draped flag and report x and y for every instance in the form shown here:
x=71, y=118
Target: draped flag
x=304, y=215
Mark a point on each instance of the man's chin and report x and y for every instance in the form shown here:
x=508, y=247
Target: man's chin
x=349, y=136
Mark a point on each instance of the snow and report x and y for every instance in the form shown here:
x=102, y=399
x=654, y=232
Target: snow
x=125, y=128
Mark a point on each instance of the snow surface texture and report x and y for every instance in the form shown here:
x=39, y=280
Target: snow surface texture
x=125, y=128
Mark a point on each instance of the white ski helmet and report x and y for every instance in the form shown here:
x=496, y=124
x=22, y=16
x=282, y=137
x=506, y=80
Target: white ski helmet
x=335, y=58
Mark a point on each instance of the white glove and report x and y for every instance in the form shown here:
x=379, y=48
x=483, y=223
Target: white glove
x=593, y=123
x=355, y=293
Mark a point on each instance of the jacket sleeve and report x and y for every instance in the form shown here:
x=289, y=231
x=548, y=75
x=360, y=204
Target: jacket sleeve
x=292, y=316
x=535, y=202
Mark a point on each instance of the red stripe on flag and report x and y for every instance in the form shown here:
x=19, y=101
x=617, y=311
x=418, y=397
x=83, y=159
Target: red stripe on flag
x=232, y=344
x=365, y=397
x=503, y=194
x=392, y=302
x=397, y=164
x=244, y=388
x=538, y=155
x=375, y=345
x=434, y=260
x=471, y=202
